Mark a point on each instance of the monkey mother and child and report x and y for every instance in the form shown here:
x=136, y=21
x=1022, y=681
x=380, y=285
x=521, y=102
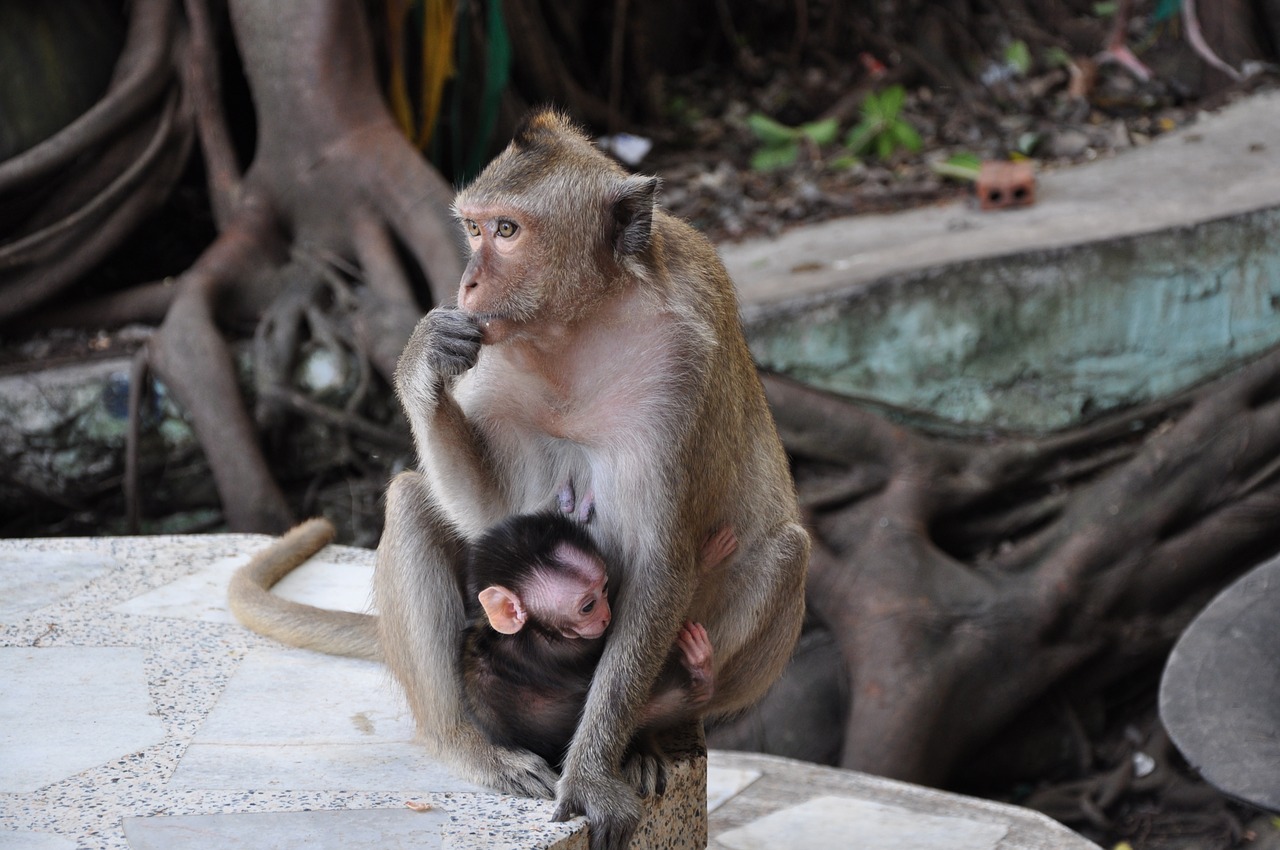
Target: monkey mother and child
x=595, y=348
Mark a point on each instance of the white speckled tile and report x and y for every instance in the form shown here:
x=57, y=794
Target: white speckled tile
x=290, y=719
x=32, y=580
x=94, y=697
x=368, y=829
x=36, y=841
x=725, y=783
x=202, y=594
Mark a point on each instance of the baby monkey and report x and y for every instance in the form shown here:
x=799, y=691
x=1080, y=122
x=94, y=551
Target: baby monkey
x=537, y=607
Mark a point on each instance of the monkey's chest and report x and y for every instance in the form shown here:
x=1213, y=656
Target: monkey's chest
x=613, y=416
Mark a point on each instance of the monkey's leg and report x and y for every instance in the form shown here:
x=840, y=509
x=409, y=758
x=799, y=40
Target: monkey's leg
x=420, y=618
x=756, y=635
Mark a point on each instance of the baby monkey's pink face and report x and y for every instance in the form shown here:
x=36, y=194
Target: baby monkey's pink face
x=582, y=595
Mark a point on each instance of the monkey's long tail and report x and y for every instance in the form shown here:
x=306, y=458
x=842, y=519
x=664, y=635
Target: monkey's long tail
x=251, y=600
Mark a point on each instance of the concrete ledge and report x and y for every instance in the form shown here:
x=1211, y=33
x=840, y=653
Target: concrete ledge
x=1131, y=279
x=778, y=802
x=138, y=714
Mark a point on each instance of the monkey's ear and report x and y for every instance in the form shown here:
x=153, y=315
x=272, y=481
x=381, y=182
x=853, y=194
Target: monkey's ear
x=633, y=214
x=503, y=609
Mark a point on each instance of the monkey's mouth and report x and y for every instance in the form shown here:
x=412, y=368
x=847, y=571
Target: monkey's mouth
x=494, y=327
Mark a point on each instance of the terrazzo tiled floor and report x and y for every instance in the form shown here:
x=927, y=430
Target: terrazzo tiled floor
x=134, y=712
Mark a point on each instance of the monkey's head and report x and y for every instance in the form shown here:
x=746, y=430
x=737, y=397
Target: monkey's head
x=553, y=224
x=540, y=570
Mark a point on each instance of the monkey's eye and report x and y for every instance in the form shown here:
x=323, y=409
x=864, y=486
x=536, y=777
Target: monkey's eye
x=473, y=229
x=507, y=229
x=588, y=608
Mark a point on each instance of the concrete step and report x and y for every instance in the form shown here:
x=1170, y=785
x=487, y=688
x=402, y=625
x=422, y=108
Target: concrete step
x=1130, y=279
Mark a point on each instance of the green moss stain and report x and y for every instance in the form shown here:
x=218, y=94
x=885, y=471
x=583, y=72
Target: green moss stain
x=1041, y=341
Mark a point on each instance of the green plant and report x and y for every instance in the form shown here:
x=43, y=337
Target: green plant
x=883, y=131
x=780, y=144
x=961, y=166
x=1018, y=57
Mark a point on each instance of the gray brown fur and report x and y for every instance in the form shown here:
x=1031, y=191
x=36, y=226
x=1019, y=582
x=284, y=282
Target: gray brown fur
x=613, y=356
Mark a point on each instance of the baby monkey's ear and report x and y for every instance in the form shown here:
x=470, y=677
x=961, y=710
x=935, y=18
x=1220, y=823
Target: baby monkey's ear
x=503, y=609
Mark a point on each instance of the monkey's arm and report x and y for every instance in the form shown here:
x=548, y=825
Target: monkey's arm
x=452, y=454
x=250, y=598
x=658, y=591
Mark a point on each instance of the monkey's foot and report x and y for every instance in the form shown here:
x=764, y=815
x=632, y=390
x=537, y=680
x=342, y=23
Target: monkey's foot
x=519, y=773
x=645, y=766
x=612, y=809
x=696, y=654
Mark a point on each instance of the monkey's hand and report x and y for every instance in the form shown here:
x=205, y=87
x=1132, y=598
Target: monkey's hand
x=696, y=656
x=445, y=344
x=718, y=548
x=613, y=810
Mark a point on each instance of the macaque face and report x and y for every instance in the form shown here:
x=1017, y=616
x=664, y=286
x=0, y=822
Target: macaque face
x=580, y=596
x=494, y=286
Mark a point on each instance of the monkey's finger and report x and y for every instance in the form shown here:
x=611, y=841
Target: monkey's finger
x=525, y=774
x=451, y=339
x=645, y=770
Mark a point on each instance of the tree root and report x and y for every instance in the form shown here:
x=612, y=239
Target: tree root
x=108, y=169
x=962, y=579
x=320, y=240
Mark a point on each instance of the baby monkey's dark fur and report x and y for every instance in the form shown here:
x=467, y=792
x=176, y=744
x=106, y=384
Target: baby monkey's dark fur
x=527, y=689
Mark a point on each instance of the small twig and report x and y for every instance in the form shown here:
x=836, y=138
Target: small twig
x=618, y=49
x=801, y=34
x=138, y=374
x=356, y=425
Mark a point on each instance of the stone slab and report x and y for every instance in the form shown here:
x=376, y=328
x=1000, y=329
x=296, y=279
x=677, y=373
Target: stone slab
x=368, y=829
x=66, y=709
x=1220, y=692
x=793, y=804
x=834, y=822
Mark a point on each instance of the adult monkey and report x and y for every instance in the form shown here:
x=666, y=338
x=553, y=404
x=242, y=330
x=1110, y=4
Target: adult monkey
x=596, y=341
